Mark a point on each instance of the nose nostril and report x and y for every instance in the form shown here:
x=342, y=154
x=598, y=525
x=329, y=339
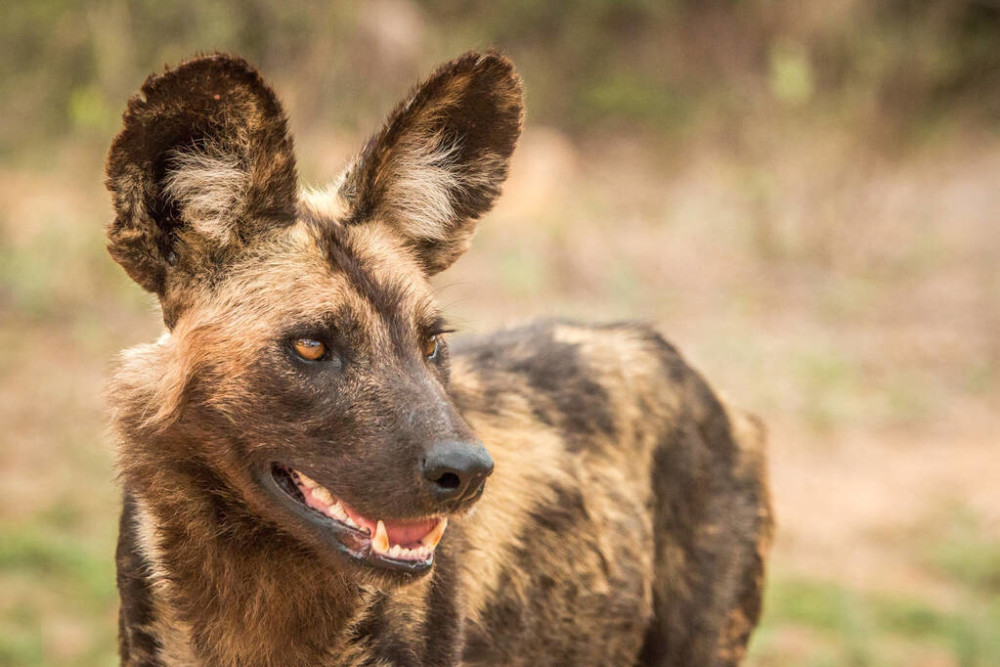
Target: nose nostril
x=455, y=470
x=448, y=480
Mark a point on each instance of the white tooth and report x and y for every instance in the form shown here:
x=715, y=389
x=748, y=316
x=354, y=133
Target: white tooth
x=350, y=522
x=431, y=539
x=306, y=482
x=324, y=496
x=337, y=511
x=380, y=541
x=395, y=550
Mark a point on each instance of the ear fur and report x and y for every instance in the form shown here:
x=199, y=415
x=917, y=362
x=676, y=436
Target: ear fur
x=203, y=164
x=438, y=162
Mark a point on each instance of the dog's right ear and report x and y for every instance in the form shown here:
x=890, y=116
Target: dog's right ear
x=203, y=165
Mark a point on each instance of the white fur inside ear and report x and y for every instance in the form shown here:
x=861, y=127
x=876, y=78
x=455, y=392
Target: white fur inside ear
x=424, y=179
x=423, y=176
x=210, y=187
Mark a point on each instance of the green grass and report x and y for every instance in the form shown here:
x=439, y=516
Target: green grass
x=58, y=600
x=965, y=554
x=851, y=627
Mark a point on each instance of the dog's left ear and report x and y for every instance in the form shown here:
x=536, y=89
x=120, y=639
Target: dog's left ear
x=439, y=161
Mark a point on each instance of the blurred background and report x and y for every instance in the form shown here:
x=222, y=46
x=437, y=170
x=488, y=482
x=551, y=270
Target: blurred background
x=805, y=197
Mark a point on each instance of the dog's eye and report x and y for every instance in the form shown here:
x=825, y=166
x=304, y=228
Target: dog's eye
x=431, y=347
x=309, y=349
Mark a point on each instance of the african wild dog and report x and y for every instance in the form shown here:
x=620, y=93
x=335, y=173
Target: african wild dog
x=295, y=445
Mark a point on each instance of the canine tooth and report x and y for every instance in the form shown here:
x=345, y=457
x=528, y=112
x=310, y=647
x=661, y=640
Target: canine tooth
x=380, y=541
x=323, y=495
x=431, y=539
x=306, y=482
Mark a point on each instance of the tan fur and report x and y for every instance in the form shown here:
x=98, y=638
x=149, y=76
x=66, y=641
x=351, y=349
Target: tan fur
x=323, y=203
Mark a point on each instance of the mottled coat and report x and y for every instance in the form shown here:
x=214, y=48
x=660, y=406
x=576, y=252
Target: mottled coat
x=627, y=521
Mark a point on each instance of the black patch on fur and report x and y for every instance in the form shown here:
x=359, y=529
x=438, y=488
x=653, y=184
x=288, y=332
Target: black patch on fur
x=135, y=645
x=561, y=516
x=490, y=364
x=385, y=298
x=442, y=632
x=384, y=640
x=694, y=485
x=581, y=404
x=504, y=616
x=563, y=389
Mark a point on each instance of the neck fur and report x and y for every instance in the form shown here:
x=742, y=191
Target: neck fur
x=230, y=593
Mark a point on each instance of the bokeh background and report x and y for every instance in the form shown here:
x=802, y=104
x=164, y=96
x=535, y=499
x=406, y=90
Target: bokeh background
x=805, y=197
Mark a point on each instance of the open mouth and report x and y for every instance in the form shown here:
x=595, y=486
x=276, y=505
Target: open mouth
x=396, y=544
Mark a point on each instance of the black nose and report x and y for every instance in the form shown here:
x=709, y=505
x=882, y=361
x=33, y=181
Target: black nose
x=456, y=470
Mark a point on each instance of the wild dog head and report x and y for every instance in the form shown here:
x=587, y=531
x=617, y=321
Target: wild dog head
x=302, y=386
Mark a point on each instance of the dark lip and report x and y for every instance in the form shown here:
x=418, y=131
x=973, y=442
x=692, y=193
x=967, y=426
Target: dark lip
x=353, y=543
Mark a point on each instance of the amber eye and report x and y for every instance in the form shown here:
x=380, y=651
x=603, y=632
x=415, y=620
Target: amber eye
x=430, y=347
x=309, y=349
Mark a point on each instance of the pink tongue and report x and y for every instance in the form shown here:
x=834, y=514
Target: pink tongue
x=401, y=532
x=408, y=533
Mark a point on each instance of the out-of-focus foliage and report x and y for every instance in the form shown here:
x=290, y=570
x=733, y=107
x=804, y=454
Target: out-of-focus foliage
x=659, y=67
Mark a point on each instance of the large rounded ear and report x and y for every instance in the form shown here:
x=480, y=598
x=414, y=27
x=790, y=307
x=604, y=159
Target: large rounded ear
x=441, y=157
x=202, y=165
